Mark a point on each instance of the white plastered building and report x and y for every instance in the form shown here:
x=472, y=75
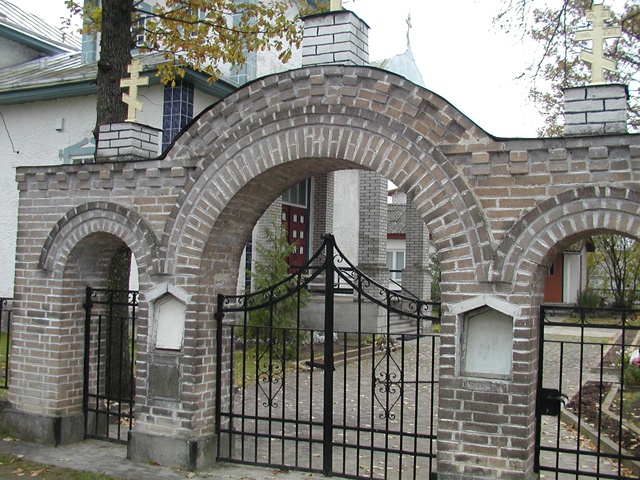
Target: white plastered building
x=47, y=115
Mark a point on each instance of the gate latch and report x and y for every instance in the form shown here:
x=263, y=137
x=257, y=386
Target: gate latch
x=550, y=400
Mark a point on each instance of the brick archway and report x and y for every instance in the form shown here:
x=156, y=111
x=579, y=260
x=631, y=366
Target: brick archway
x=323, y=119
x=497, y=210
x=556, y=222
x=99, y=217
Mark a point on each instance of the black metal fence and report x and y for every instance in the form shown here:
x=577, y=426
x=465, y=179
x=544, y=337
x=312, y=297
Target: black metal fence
x=589, y=393
x=109, y=364
x=356, y=400
x=6, y=309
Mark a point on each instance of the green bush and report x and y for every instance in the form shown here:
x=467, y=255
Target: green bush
x=631, y=375
x=274, y=327
x=588, y=298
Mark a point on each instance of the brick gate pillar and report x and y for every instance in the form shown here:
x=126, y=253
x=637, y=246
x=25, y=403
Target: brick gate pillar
x=416, y=277
x=595, y=110
x=488, y=364
x=322, y=204
x=372, y=248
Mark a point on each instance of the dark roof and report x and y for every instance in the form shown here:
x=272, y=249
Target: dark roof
x=396, y=218
x=65, y=75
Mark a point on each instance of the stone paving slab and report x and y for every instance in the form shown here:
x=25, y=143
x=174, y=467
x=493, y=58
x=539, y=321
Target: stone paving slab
x=111, y=459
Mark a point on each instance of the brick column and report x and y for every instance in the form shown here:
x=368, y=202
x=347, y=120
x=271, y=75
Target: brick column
x=372, y=248
x=416, y=277
x=322, y=204
x=595, y=110
x=127, y=141
x=338, y=38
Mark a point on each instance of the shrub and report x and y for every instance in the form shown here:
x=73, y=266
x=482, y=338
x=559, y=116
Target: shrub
x=274, y=327
x=588, y=298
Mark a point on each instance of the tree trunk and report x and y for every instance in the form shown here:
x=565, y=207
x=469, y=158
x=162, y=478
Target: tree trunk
x=115, y=55
x=119, y=378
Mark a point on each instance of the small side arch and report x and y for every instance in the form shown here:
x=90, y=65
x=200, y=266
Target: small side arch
x=100, y=217
x=558, y=221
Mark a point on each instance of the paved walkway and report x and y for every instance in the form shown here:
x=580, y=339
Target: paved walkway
x=568, y=364
x=110, y=459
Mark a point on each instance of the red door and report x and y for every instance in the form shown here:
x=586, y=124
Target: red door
x=295, y=219
x=553, y=284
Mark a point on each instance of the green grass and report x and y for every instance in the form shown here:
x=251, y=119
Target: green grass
x=631, y=409
x=12, y=466
x=250, y=366
x=4, y=340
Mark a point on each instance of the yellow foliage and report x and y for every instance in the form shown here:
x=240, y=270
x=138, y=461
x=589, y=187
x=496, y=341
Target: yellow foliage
x=206, y=34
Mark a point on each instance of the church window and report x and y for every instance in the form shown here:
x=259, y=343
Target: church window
x=395, y=265
x=296, y=195
x=81, y=152
x=178, y=110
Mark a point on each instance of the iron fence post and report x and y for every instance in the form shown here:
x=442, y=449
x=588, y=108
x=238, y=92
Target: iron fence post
x=327, y=428
x=87, y=362
x=218, y=316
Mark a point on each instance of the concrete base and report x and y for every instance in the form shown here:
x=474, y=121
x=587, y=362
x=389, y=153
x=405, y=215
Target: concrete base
x=188, y=454
x=346, y=308
x=45, y=429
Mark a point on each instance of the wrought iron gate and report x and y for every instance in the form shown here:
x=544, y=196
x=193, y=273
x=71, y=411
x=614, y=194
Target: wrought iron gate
x=588, y=405
x=109, y=363
x=6, y=309
x=348, y=397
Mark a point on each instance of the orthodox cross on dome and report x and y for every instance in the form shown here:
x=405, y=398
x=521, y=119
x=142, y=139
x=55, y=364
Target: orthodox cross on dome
x=409, y=26
x=131, y=99
x=335, y=5
x=597, y=34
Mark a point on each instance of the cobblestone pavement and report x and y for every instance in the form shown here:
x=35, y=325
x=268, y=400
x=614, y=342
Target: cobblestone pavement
x=361, y=405
x=383, y=413
x=568, y=364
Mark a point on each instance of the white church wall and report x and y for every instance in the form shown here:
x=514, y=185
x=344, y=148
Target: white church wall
x=34, y=140
x=572, y=275
x=346, y=208
x=14, y=53
x=268, y=62
x=38, y=132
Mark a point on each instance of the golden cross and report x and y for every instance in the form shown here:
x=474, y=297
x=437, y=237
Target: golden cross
x=133, y=83
x=597, y=34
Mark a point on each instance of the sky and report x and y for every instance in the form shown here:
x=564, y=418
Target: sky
x=461, y=55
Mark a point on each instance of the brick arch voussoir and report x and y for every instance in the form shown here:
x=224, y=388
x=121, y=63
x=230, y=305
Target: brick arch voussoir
x=100, y=217
x=358, y=99
x=558, y=221
x=326, y=89
x=380, y=148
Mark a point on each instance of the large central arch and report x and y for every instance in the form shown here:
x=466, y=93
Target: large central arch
x=323, y=119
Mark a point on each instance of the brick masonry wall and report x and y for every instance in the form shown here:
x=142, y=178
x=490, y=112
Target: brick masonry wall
x=595, y=110
x=372, y=245
x=417, y=274
x=338, y=38
x=498, y=211
x=322, y=217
